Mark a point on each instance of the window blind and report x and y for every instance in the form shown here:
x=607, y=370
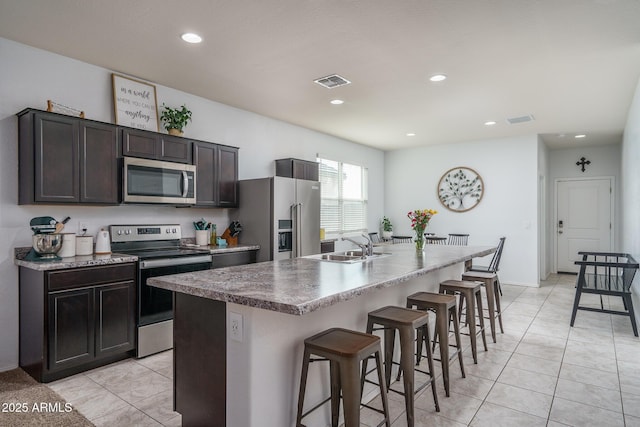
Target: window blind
x=343, y=197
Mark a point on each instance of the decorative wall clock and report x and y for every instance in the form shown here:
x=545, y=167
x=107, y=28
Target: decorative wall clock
x=460, y=189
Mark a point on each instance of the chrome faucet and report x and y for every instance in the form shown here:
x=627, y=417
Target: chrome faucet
x=369, y=244
x=362, y=246
x=366, y=248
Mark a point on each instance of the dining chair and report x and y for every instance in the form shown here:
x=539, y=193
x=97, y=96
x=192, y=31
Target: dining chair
x=374, y=238
x=458, y=239
x=494, y=264
x=434, y=240
x=402, y=239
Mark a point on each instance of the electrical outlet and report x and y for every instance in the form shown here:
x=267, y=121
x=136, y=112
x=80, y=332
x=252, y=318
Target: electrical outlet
x=82, y=228
x=235, y=326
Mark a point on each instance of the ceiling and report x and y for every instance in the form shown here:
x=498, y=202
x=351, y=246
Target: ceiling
x=572, y=64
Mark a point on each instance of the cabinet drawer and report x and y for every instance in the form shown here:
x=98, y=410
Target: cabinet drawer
x=233, y=258
x=89, y=276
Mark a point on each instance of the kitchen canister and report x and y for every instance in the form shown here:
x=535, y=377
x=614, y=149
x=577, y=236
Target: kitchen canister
x=202, y=237
x=68, y=248
x=84, y=245
x=103, y=246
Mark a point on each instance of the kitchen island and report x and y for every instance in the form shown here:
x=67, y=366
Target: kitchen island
x=239, y=331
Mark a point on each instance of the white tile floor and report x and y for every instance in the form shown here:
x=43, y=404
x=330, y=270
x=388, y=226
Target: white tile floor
x=541, y=372
x=128, y=393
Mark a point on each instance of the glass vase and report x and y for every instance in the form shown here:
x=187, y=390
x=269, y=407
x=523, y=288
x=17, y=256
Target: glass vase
x=419, y=243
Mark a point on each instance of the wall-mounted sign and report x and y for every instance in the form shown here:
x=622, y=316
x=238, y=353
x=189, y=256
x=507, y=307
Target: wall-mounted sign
x=135, y=103
x=460, y=189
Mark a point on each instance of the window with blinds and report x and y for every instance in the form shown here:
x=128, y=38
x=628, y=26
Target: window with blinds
x=343, y=197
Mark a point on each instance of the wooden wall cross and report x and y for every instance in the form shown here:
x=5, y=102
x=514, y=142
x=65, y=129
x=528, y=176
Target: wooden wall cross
x=583, y=162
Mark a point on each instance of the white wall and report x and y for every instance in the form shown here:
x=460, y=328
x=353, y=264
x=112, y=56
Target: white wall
x=28, y=77
x=631, y=191
x=509, y=206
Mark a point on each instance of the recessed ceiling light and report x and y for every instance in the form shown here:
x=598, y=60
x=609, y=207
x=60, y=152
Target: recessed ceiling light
x=337, y=101
x=580, y=136
x=411, y=134
x=438, y=77
x=490, y=123
x=191, y=38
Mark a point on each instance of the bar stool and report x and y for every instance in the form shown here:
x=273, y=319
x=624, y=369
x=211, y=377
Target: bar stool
x=490, y=283
x=406, y=321
x=344, y=349
x=446, y=311
x=467, y=290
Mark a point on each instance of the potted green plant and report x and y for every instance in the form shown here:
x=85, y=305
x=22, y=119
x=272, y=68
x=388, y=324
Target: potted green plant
x=175, y=119
x=387, y=228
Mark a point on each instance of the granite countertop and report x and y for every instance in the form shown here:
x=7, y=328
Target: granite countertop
x=70, y=262
x=113, y=258
x=302, y=285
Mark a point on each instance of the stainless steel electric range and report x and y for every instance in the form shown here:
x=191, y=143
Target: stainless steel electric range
x=159, y=254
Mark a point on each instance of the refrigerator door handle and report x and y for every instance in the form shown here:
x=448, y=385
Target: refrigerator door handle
x=298, y=230
x=294, y=220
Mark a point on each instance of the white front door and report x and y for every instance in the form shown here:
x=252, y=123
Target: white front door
x=583, y=218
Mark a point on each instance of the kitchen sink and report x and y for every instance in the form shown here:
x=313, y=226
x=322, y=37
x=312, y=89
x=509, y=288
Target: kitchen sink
x=359, y=253
x=348, y=257
x=341, y=258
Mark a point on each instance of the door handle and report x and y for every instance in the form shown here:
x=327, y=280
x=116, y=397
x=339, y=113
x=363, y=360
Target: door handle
x=185, y=184
x=294, y=219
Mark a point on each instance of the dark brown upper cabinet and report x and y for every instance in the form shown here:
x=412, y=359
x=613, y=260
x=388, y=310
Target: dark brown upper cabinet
x=217, y=175
x=296, y=168
x=156, y=146
x=64, y=159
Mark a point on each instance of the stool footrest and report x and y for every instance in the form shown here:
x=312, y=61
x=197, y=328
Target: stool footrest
x=317, y=406
x=416, y=391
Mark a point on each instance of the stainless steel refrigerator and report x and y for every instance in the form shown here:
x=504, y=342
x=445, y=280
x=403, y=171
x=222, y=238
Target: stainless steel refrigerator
x=282, y=215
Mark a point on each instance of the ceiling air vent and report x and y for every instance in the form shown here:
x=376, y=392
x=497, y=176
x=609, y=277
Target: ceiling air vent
x=332, y=81
x=521, y=119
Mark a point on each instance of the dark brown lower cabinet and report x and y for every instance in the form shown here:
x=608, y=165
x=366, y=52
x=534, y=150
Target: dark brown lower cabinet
x=115, y=331
x=71, y=332
x=77, y=319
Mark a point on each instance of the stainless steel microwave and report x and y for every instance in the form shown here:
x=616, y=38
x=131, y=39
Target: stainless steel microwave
x=154, y=181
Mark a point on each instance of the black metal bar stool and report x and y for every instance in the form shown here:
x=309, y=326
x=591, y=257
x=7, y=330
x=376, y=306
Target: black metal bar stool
x=344, y=350
x=490, y=283
x=446, y=311
x=406, y=321
x=467, y=291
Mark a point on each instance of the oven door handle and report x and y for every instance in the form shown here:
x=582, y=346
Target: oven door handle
x=170, y=262
x=185, y=184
